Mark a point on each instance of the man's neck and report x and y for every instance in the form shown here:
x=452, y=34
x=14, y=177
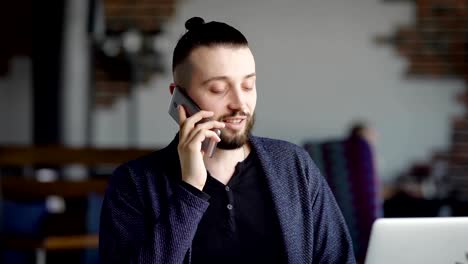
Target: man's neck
x=222, y=165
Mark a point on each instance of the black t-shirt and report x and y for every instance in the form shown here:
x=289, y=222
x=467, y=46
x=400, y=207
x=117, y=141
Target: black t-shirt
x=240, y=224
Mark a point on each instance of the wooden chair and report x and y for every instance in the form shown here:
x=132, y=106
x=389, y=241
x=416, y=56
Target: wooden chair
x=22, y=188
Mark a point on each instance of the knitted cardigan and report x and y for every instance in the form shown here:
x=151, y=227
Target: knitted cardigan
x=149, y=217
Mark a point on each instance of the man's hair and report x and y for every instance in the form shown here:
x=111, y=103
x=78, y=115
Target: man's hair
x=209, y=34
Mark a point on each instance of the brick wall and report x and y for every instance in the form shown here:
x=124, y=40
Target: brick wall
x=147, y=15
x=436, y=46
x=113, y=73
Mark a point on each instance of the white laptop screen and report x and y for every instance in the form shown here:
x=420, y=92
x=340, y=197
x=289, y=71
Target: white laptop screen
x=438, y=240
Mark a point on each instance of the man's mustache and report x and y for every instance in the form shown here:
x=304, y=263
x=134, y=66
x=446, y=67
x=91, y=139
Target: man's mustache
x=236, y=114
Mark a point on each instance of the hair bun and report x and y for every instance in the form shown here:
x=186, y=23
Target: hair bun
x=194, y=22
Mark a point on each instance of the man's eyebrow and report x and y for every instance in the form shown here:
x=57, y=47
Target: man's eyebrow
x=217, y=78
x=223, y=78
x=250, y=75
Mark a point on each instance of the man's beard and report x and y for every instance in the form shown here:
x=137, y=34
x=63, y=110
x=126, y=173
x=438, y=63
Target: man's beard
x=237, y=141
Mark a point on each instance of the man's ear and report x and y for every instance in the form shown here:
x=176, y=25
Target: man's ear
x=171, y=88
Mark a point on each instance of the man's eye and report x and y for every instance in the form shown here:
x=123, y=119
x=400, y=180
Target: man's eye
x=249, y=86
x=217, y=90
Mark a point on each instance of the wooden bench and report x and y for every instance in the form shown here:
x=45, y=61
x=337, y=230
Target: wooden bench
x=25, y=188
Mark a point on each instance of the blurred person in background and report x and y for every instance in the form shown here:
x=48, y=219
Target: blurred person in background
x=363, y=130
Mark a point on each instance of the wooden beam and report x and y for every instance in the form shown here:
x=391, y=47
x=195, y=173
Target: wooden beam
x=18, y=189
x=53, y=243
x=59, y=155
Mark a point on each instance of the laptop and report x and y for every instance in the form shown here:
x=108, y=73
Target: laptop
x=437, y=240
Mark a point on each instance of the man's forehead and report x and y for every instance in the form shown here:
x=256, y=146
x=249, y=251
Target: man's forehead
x=222, y=60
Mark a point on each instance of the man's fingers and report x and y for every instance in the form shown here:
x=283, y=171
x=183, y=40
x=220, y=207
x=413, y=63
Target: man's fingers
x=210, y=125
x=199, y=137
x=188, y=123
x=191, y=121
x=182, y=114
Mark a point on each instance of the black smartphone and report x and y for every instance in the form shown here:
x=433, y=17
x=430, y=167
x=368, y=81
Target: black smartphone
x=179, y=97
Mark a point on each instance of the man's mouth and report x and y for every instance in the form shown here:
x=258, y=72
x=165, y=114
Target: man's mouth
x=235, y=123
x=233, y=120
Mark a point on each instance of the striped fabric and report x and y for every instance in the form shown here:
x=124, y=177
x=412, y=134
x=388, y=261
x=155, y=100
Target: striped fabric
x=349, y=169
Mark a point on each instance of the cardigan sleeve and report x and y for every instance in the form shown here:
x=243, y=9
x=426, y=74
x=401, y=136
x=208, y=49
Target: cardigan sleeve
x=129, y=235
x=332, y=240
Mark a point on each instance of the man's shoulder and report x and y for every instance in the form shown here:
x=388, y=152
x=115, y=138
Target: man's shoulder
x=277, y=146
x=153, y=164
x=157, y=157
x=283, y=154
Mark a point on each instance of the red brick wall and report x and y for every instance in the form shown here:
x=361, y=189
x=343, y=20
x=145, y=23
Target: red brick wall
x=436, y=46
x=147, y=15
x=112, y=75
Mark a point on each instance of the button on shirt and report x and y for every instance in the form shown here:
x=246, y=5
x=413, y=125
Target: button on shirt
x=240, y=225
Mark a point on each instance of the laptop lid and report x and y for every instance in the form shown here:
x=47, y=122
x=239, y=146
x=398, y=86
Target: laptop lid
x=437, y=240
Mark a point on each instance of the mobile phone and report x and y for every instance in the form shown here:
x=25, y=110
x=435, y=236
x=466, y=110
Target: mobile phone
x=179, y=97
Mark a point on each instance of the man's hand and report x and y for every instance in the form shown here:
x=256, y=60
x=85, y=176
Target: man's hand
x=191, y=135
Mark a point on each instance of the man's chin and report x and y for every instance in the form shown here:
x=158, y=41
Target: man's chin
x=235, y=140
x=232, y=142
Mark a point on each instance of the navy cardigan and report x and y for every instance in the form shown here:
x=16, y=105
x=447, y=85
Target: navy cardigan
x=149, y=217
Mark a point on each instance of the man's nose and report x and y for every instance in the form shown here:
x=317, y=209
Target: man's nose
x=237, y=99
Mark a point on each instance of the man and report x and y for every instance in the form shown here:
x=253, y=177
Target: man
x=257, y=200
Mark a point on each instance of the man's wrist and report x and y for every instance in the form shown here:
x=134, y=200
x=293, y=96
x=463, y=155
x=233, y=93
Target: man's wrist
x=195, y=185
x=195, y=191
